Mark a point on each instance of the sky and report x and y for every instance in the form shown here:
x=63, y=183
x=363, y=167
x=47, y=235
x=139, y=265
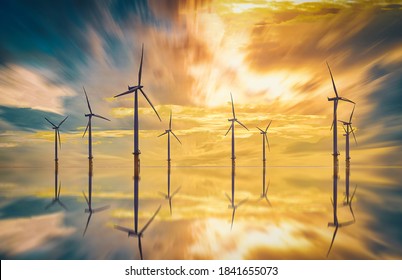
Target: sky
x=271, y=55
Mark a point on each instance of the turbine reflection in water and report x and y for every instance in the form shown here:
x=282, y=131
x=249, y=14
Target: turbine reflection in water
x=265, y=188
x=57, y=191
x=167, y=195
x=231, y=199
x=90, y=210
x=134, y=232
x=336, y=224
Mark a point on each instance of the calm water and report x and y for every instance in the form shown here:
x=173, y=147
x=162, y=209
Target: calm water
x=291, y=222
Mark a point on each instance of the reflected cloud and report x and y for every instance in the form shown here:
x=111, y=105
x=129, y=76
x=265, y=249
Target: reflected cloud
x=17, y=234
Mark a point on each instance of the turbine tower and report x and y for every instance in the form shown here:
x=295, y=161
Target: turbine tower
x=168, y=132
x=232, y=127
x=348, y=130
x=89, y=126
x=134, y=90
x=56, y=139
x=264, y=138
x=335, y=99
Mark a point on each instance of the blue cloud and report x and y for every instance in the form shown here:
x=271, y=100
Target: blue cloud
x=54, y=34
x=28, y=119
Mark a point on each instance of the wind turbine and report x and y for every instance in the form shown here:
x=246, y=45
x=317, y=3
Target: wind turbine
x=134, y=89
x=168, y=132
x=169, y=196
x=231, y=199
x=335, y=99
x=232, y=127
x=264, y=138
x=56, y=138
x=138, y=234
x=348, y=130
x=89, y=126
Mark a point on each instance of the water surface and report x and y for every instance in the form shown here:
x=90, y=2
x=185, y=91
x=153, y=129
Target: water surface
x=288, y=217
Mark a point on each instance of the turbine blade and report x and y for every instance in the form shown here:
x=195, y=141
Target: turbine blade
x=228, y=197
x=86, y=198
x=150, y=220
x=86, y=129
x=269, y=203
x=266, y=138
x=268, y=126
x=50, y=204
x=99, y=116
x=175, y=192
x=54, y=126
x=233, y=215
x=149, y=101
x=162, y=134
x=170, y=121
x=346, y=223
x=140, y=247
x=128, y=230
x=260, y=129
x=127, y=92
x=333, y=239
x=89, y=105
x=63, y=121
x=242, y=202
x=58, y=193
x=354, y=136
x=162, y=194
x=351, y=211
x=332, y=78
x=170, y=205
x=175, y=136
x=58, y=136
x=332, y=125
x=241, y=124
x=353, y=195
x=233, y=110
x=62, y=205
x=344, y=129
x=86, y=226
x=347, y=100
x=100, y=209
x=229, y=129
x=351, y=115
x=140, y=70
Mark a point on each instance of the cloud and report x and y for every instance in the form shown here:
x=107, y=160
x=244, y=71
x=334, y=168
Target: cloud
x=31, y=88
